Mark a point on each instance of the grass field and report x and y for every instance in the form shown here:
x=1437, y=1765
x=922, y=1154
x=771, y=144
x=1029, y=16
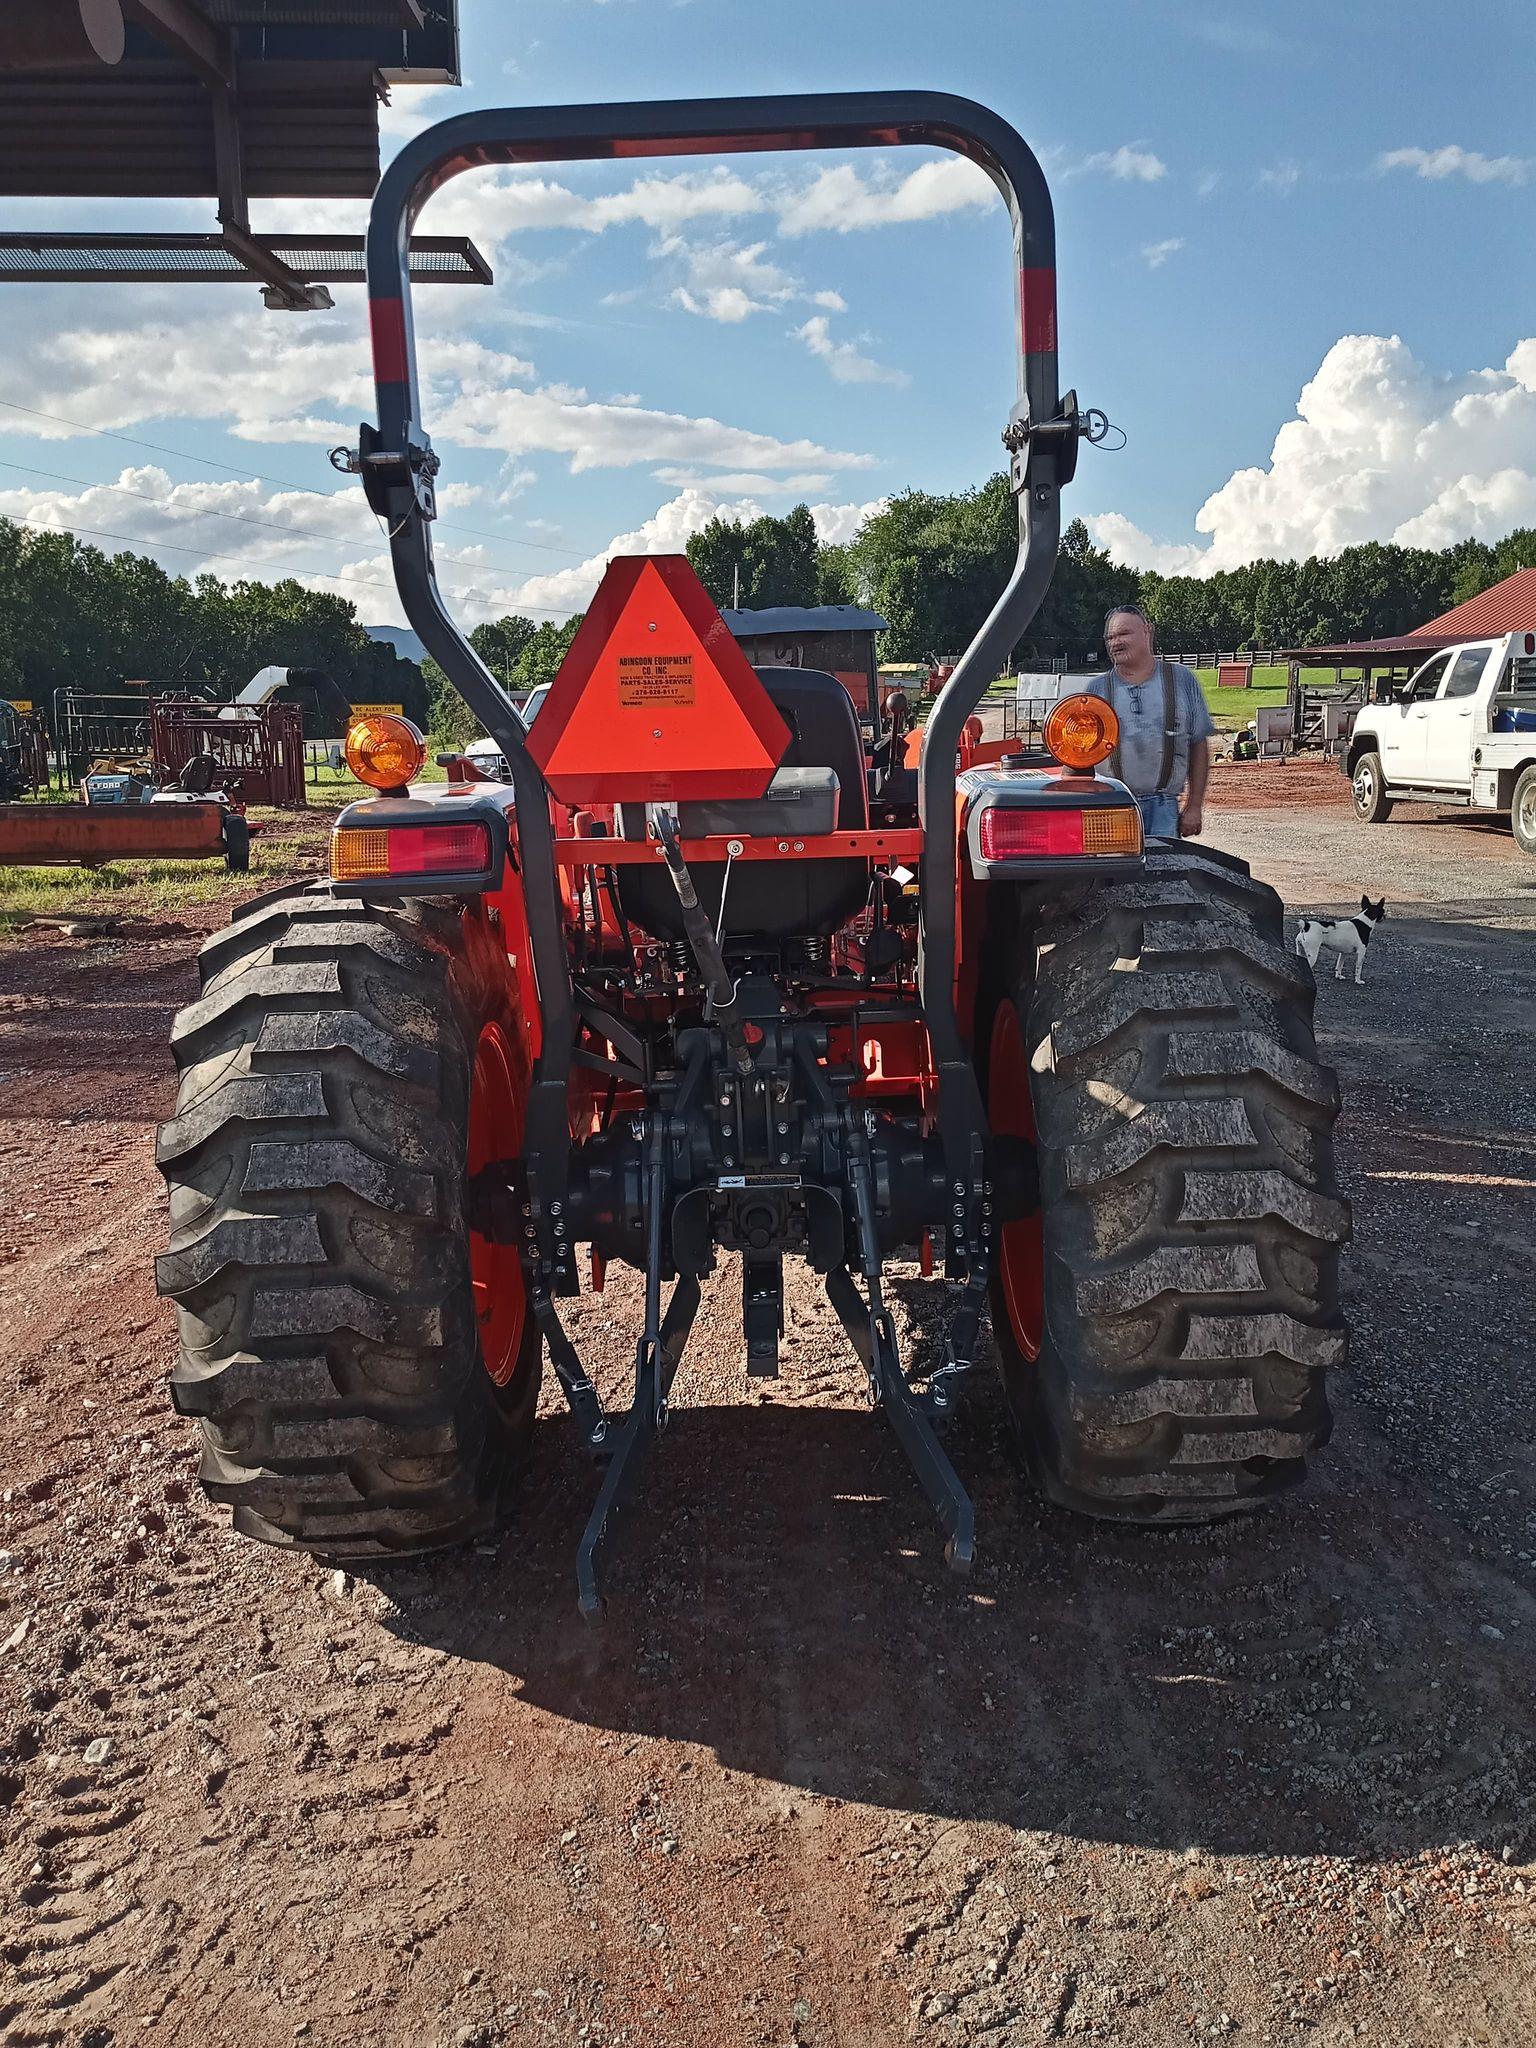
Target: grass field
x=290, y=844
x=285, y=846
x=1232, y=709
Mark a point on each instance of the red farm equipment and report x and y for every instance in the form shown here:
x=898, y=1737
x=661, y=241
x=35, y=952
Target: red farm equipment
x=670, y=992
x=257, y=749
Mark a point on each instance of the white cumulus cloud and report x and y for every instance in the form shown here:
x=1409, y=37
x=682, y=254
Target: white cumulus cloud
x=846, y=362
x=840, y=199
x=724, y=281
x=1379, y=449
x=666, y=532
x=745, y=482
x=1157, y=253
x=838, y=523
x=1127, y=542
x=1130, y=162
x=271, y=383
x=1452, y=161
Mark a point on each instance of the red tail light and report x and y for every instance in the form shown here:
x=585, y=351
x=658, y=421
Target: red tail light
x=1052, y=834
x=372, y=852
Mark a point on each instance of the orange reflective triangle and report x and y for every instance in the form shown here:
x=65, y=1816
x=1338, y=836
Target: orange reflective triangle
x=655, y=702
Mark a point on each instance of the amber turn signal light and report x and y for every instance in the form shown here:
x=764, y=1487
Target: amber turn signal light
x=384, y=751
x=1082, y=731
x=1058, y=833
x=374, y=854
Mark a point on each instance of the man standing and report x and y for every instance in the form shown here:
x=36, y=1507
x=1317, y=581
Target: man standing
x=1165, y=727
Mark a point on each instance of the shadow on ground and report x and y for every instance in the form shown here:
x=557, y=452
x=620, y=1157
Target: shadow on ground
x=1350, y=1670
x=1312, y=1678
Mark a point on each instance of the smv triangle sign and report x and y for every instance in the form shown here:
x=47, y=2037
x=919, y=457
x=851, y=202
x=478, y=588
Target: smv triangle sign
x=655, y=702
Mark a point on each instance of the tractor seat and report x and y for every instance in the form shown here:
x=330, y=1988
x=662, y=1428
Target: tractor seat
x=772, y=900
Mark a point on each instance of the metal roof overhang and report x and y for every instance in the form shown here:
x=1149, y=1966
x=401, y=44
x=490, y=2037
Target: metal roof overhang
x=146, y=131
x=207, y=259
x=1368, y=653
x=230, y=99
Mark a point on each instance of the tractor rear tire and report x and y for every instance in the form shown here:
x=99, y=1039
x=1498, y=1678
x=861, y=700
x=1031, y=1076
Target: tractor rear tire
x=1165, y=1324
x=352, y=1401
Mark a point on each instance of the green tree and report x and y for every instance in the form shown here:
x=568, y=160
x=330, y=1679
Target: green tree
x=1086, y=584
x=770, y=561
x=544, y=651
x=836, y=578
x=932, y=565
x=449, y=719
x=501, y=642
x=500, y=645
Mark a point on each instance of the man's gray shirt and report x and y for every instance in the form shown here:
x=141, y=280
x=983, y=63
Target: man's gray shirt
x=1139, y=707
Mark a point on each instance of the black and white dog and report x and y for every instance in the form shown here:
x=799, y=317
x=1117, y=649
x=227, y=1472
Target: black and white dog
x=1342, y=935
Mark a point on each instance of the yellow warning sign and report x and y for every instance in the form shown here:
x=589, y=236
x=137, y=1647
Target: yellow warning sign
x=656, y=679
x=363, y=710
x=20, y=703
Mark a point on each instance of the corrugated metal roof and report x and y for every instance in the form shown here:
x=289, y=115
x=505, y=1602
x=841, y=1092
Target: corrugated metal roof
x=307, y=74
x=1509, y=607
x=1411, y=646
x=145, y=131
x=816, y=618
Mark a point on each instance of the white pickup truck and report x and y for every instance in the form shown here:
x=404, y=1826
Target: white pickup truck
x=1461, y=730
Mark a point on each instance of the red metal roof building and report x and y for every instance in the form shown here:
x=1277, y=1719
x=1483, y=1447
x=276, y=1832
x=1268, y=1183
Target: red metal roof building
x=1508, y=607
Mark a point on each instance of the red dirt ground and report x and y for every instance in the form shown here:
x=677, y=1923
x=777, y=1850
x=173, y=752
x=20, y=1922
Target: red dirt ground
x=1272, y=1780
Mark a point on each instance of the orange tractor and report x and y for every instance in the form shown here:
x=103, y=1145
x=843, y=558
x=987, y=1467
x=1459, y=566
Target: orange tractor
x=714, y=972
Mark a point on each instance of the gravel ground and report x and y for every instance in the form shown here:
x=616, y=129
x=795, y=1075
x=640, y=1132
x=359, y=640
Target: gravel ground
x=1271, y=1781
x=1319, y=853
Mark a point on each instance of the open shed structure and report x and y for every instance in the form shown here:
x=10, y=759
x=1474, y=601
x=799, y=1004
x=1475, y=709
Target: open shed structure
x=232, y=100
x=1505, y=607
x=1359, y=666
x=837, y=638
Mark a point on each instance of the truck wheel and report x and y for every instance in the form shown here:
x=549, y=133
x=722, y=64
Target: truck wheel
x=1522, y=811
x=1369, y=790
x=363, y=1367
x=1165, y=1323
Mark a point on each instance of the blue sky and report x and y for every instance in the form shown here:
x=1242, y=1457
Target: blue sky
x=1251, y=201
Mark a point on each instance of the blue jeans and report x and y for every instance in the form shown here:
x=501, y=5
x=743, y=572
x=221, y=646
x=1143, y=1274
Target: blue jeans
x=1159, y=816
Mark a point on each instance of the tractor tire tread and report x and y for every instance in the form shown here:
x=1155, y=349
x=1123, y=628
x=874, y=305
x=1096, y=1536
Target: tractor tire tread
x=318, y=1252
x=1191, y=1215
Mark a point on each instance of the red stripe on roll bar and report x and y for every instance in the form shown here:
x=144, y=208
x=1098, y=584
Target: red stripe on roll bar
x=386, y=322
x=1037, y=311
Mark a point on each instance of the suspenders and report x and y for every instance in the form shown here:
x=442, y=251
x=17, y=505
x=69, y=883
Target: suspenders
x=1170, y=726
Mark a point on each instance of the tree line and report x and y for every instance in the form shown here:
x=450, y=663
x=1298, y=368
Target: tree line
x=930, y=563
x=932, y=566
x=74, y=617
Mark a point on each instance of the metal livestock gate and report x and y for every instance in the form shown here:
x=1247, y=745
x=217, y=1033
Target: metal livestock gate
x=259, y=751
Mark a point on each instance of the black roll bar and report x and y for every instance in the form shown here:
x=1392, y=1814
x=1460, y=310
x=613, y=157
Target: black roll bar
x=399, y=466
